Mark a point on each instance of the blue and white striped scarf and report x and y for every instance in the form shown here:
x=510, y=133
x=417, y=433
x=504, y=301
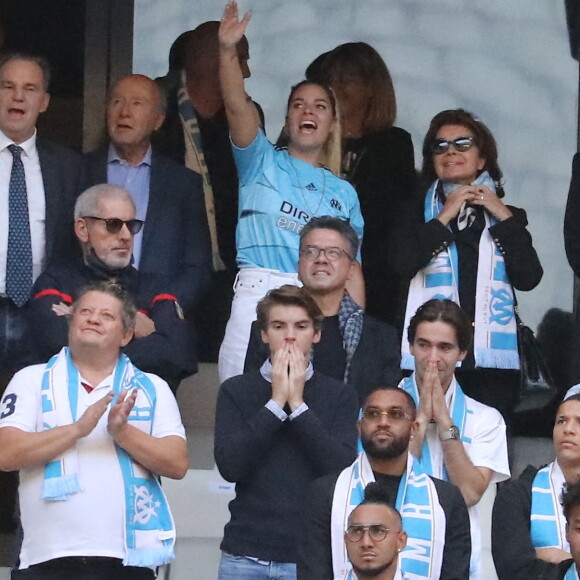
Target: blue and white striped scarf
x=547, y=522
x=149, y=529
x=495, y=338
x=460, y=415
x=418, y=503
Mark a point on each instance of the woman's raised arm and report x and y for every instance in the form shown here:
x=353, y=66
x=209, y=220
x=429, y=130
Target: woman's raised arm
x=242, y=115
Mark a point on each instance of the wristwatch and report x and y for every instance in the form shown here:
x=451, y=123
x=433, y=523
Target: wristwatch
x=451, y=433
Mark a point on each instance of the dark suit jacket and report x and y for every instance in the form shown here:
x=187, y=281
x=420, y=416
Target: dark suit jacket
x=176, y=252
x=376, y=361
x=63, y=179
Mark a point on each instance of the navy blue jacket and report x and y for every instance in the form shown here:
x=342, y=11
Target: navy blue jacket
x=167, y=352
x=273, y=462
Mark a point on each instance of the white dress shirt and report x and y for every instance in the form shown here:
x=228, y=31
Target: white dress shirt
x=36, y=203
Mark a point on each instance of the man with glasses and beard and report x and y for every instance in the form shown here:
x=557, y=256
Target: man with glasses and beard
x=105, y=226
x=427, y=505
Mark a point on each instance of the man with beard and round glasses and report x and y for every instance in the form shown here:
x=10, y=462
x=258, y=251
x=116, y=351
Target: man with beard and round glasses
x=105, y=226
x=375, y=537
x=434, y=514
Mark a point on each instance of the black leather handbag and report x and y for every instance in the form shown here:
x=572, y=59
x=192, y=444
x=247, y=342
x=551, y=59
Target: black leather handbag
x=537, y=388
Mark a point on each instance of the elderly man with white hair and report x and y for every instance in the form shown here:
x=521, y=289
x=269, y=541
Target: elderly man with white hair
x=105, y=226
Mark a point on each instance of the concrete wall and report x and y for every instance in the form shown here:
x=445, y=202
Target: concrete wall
x=507, y=61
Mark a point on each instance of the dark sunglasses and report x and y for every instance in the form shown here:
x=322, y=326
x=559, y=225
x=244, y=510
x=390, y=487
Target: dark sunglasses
x=441, y=146
x=114, y=225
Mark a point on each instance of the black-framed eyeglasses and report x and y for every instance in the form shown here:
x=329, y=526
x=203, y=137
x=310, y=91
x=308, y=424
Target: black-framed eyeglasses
x=374, y=415
x=333, y=254
x=441, y=146
x=377, y=532
x=114, y=225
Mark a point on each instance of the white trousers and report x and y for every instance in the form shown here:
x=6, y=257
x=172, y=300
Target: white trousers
x=250, y=287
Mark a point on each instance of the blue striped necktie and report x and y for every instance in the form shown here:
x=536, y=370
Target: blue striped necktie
x=19, y=259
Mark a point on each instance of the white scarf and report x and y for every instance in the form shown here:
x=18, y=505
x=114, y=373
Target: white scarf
x=495, y=337
x=418, y=503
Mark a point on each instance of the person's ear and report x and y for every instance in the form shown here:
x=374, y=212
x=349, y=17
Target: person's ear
x=127, y=337
x=82, y=230
x=45, y=103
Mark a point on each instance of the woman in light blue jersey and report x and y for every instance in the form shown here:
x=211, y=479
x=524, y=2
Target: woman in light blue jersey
x=280, y=190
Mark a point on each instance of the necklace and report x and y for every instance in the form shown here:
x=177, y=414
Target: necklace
x=302, y=190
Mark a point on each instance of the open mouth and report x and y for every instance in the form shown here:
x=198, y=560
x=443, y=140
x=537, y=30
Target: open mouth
x=16, y=111
x=308, y=126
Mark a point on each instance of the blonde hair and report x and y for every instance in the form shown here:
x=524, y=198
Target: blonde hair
x=331, y=154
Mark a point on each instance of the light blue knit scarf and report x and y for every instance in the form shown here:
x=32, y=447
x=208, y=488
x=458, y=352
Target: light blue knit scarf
x=149, y=529
x=459, y=415
x=495, y=337
x=547, y=523
x=417, y=501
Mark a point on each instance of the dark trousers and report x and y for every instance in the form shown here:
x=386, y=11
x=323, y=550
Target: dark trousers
x=81, y=568
x=12, y=330
x=211, y=317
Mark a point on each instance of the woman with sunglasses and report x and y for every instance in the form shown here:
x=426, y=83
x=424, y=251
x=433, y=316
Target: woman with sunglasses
x=280, y=190
x=462, y=242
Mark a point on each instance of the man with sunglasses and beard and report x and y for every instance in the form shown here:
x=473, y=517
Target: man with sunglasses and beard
x=105, y=226
x=433, y=511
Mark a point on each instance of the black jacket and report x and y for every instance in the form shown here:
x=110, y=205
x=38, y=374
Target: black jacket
x=511, y=543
